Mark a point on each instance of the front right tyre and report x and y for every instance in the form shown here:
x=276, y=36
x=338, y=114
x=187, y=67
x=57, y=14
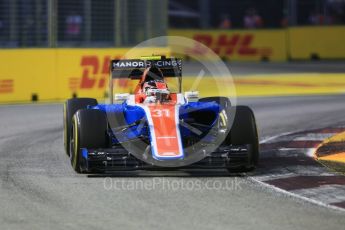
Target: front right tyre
x=71, y=106
x=89, y=131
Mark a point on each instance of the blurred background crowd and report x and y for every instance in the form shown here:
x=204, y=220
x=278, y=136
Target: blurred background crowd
x=255, y=14
x=108, y=23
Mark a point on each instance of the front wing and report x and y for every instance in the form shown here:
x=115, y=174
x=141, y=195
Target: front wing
x=119, y=159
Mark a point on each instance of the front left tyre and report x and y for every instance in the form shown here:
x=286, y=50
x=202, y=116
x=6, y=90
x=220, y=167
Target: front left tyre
x=89, y=131
x=244, y=131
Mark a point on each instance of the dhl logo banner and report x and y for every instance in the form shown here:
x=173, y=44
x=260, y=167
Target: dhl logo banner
x=238, y=45
x=229, y=45
x=94, y=73
x=88, y=72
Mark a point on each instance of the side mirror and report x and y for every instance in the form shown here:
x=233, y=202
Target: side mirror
x=120, y=98
x=192, y=96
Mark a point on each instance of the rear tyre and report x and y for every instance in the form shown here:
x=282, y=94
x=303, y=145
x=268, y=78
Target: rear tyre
x=71, y=106
x=244, y=132
x=89, y=130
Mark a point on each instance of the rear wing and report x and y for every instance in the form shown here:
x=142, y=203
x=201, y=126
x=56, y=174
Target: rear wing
x=134, y=68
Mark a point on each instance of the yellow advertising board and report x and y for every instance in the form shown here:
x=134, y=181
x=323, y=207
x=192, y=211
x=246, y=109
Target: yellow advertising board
x=317, y=42
x=57, y=74
x=239, y=45
x=26, y=73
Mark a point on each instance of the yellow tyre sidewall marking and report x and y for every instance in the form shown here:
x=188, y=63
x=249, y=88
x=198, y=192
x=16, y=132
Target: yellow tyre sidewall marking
x=65, y=125
x=222, y=118
x=75, y=130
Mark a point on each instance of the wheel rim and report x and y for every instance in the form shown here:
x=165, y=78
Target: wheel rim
x=72, y=147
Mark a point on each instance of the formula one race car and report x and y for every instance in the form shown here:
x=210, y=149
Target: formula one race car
x=156, y=126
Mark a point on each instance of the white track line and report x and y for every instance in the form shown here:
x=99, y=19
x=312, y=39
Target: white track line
x=329, y=193
x=319, y=203
x=268, y=139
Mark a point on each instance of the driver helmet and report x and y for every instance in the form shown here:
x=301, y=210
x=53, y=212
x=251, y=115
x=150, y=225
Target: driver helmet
x=156, y=90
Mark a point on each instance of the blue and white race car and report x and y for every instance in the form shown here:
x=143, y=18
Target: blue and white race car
x=151, y=124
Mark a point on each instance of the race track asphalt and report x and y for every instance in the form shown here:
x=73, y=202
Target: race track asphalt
x=39, y=189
